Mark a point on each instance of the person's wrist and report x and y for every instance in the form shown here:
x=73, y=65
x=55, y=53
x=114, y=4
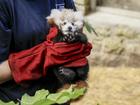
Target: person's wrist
x=5, y=72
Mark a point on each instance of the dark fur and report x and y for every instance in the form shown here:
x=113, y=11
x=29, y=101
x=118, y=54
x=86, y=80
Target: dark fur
x=71, y=38
x=71, y=75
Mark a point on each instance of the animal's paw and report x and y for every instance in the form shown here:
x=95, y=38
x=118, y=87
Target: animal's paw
x=66, y=86
x=67, y=74
x=70, y=38
x=61, y=70
x=81, y=84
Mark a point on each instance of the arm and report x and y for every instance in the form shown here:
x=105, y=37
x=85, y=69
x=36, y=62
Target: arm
x=5, y=72
x=33, y=63
x=5, y=40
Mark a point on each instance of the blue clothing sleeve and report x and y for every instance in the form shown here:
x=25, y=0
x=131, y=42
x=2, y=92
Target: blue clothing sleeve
x=5, y=32
x=69, y=4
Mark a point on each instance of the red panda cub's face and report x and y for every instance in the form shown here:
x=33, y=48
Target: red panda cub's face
x=67, y=20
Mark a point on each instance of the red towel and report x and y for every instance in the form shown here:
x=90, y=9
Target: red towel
x=33, y=63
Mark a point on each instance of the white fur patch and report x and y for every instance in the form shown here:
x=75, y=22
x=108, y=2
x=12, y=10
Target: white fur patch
x=67, y=18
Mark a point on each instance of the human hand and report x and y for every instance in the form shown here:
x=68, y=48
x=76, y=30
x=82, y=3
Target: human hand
x=5, y=72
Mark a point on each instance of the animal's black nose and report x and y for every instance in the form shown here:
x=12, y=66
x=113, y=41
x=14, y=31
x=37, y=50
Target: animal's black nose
x=69, y=28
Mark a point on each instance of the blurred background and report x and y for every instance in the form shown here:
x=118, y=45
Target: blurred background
x=114, y=77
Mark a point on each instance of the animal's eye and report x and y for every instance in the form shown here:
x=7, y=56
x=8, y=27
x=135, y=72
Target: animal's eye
x=64, y=23
x=72, y=24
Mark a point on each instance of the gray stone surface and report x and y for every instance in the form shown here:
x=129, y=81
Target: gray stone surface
x=124, y=4
x=115, y=46
x=83, y=5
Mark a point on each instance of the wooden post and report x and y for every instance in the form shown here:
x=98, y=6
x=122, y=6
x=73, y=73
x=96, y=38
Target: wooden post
x=83, y=5
x=93, y=4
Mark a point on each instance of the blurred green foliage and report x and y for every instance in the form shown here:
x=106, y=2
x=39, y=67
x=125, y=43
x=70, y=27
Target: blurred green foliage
x=43, y=97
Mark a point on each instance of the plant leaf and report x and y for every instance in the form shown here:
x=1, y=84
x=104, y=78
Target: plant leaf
x=89, y=28
x=77, y=93
x=65, y=97
x=42, y=97
x=44, y=102
x=54, y=97
x=30, y=100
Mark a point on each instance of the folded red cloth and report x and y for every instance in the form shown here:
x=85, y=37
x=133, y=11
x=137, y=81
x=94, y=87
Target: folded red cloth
x=33, y=63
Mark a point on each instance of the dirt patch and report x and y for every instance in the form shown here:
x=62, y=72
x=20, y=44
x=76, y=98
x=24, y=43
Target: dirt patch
x=112, y=86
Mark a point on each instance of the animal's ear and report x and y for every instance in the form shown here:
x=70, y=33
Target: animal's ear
x=50, y=20
x=79, y=24
x=78, y=15
x=54, y=17
x=79, y=19
x=55, y=12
